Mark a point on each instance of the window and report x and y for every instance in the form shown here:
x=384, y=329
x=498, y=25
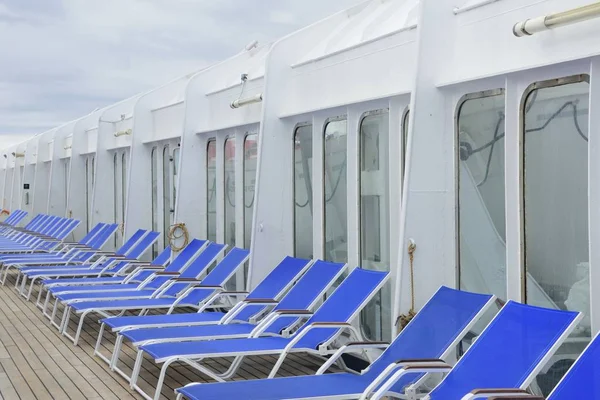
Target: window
x=116, y=195
x=175, y=182
x=374, y=218
x=481, y=187
x=303, y=215
x=336, y=231
x=89, y=192
x=123, y=186
x=555, y=196
x=230, y=191
x=154, y=177
x=66, y=172
x=405, y=123
x=250, y=159
x=166, y=195
x=211, y=190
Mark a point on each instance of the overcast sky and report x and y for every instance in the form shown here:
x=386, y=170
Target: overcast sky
x=60, y=59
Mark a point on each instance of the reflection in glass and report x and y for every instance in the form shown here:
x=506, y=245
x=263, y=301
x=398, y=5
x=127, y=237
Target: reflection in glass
x=481, y=200
x=211, y=190
x=374, y=219
x=555, y=191
x=250, y=158
x=123, y=186
x=335, y=199
x=303, y=216
x=166, y=195
x=154, y=178
x=230, y=191
x=175, y=182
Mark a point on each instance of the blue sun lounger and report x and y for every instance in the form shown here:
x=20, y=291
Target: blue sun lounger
x=26, y=240
x=304, y=295
x=582, y=380
x=313, y=337
x=48, y=239
x=177, y=266
x=142, y=271
x=271, y=288
x=68, y=252
x=75, y=255
x=452, y=312
x=156, y=287
x=108, y=266
x=106, y=260
x=181, y=292
x=509, y=353
x=83, y=243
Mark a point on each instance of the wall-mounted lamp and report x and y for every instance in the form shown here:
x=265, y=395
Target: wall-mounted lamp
x=124, y=133
x=18, y=155
x=247, y=101
x=68, y=147
x=544, y=23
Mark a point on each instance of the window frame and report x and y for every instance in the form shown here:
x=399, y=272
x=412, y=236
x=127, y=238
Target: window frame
x=248, y=133
x=342, y=117
x=544, y=84
x=459, y=105
x=226, y=188
x=293, y=148
x=209, y=142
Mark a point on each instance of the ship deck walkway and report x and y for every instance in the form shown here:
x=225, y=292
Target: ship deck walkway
x=36, y=362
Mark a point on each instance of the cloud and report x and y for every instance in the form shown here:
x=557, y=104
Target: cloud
x=63, y=58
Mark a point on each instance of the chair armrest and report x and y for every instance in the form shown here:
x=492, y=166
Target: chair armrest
x=330, y=324
x=167, y=273
x=274, y=316
x=261, y=301
x=348, y=347
x=393, y=372
x=500, y=394
x=191, y=280
x=294, y=312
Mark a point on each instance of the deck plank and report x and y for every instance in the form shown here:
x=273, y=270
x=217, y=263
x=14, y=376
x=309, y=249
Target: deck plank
x=38, y=363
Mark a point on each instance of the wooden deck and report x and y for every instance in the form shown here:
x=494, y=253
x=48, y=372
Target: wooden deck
x=38, y=363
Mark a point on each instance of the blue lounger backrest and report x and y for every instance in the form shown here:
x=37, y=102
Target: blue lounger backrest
x=441, y=322
x=508, y=351
x=220, y=274
x=343, y=305
x=275, y=284
x=132, y=241
x=310, y=288
x=92, y=233
x=164, y=257
x=582, y=381
x=138, y=250
x=34, y=221
x=186, y=256
x=180, y=263
x=67, y=229
x=199, y=266
x=55, y=226
x=102, y=237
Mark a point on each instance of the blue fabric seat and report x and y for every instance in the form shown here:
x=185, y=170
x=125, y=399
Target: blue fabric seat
x=187, y=293
x=272, y=287
x=339, y=308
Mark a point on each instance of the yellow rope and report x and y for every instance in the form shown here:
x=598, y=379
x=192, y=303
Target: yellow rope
x=404, y=319
x=173, y=236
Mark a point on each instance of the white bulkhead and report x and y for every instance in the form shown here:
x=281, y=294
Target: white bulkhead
x=394, y=123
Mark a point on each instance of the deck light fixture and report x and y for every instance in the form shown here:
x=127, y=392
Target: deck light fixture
x=544, y=23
